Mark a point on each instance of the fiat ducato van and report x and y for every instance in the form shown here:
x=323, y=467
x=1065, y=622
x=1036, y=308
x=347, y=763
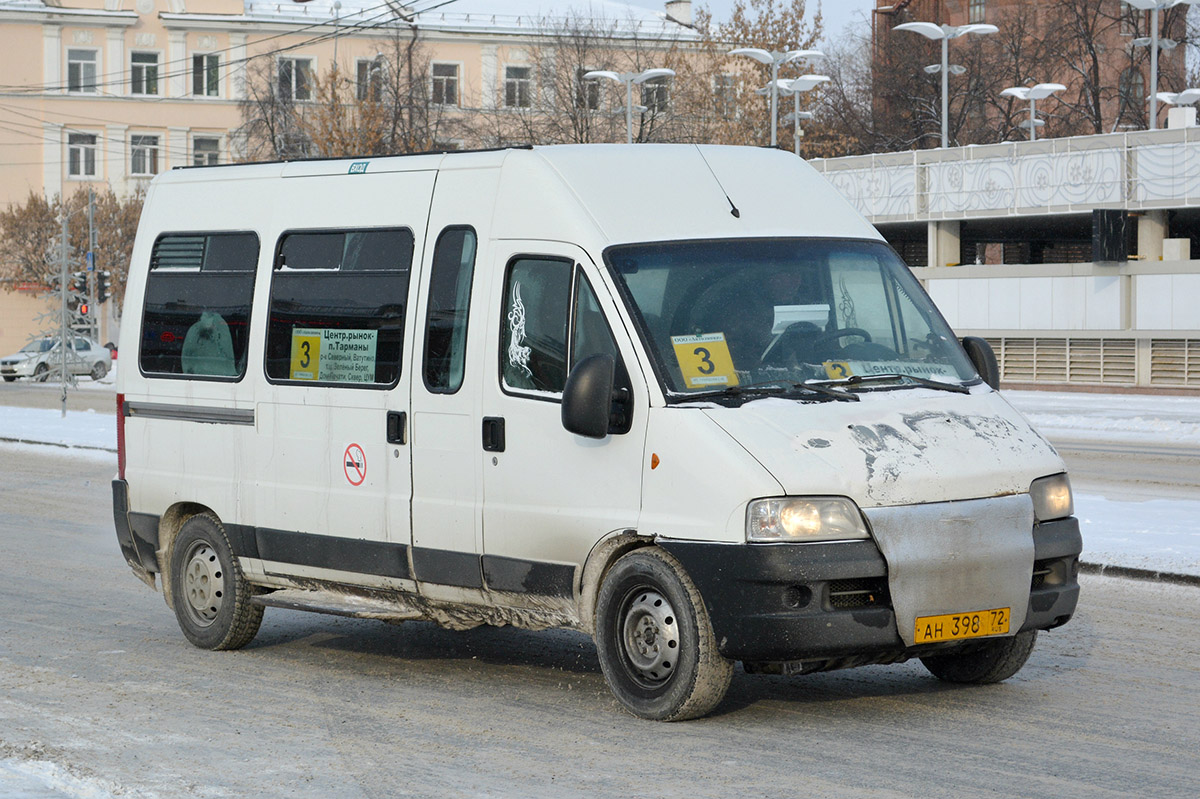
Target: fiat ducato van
x=682, y=398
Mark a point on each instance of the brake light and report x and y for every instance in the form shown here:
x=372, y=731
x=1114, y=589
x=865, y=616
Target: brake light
x=121, y=436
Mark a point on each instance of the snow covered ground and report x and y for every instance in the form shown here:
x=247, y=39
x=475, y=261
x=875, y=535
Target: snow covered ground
x=1157, y=535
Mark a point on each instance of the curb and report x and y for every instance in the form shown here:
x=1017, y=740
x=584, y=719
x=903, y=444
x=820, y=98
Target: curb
x=56, y=444
x=1132, y=573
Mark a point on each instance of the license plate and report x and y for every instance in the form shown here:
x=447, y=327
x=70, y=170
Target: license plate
x=956, y=626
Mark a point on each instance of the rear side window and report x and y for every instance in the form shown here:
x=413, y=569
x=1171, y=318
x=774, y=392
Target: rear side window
x=337, y=307
x=196, y=318
x=449, y=304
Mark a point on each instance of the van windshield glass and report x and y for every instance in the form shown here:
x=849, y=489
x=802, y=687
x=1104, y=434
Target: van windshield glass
x=776, y=312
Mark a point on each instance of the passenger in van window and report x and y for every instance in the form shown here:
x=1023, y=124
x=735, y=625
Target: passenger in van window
x=208, y=348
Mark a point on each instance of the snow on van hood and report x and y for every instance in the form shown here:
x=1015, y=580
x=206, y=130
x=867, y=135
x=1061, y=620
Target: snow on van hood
x=894, y=447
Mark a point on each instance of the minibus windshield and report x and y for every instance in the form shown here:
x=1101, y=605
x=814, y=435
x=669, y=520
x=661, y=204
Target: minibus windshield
x=720, y=314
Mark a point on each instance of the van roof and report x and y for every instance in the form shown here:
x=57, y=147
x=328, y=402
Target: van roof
x=624, y=193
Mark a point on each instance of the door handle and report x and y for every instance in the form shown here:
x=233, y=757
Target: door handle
x=397, y=427
x=493, y=433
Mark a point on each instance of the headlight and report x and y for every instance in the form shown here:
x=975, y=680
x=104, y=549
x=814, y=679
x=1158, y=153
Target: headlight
x=1051, y=497
x=804, y=519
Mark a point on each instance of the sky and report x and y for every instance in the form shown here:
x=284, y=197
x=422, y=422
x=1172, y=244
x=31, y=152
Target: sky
x=837, y=13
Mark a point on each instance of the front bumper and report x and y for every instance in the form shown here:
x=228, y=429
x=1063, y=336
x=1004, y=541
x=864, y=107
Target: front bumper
x=137, y=535
x=17, y=368
x=829, y=602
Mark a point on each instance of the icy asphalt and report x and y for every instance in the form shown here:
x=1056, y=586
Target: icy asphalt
x=1148, y=535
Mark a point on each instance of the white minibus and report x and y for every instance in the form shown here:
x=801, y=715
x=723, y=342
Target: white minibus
x=682, y=398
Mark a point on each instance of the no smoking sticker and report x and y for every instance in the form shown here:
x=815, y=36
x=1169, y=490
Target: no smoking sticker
x=354, y=464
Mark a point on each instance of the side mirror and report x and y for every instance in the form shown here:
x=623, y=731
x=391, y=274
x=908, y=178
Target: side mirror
x=587, y=397
x=984, y=359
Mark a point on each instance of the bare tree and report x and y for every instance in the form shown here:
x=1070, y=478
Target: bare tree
x=386, y=107
x=30, y=250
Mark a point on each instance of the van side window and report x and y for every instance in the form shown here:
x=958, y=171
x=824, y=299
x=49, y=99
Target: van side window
x=449, y=304
x=533, y=332
x=591, y=335
x=337, y=307
x=197, y=313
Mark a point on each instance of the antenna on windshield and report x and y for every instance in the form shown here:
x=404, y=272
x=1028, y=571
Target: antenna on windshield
x=733, y=209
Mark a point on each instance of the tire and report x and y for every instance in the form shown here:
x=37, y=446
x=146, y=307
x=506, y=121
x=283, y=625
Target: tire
x=41, y=372
x=655, y=642
x=209, y=593
x=9, y=378
x=99, y=370
x=992, y=662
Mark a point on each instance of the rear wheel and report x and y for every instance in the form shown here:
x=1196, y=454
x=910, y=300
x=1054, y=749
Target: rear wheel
x=655, y=642
x=209, y=593
x=990, y=662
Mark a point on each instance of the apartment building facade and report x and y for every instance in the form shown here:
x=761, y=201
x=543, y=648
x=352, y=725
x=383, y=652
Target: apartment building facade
x=108, y=93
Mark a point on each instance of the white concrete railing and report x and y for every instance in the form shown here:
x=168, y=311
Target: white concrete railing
x=1137, y=171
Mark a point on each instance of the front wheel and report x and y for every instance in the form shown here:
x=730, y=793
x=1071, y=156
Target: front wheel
x=210, y=596
x=655, y=642
x=9, y=378
x=41, y=372
x=99, y=370
x=991, y=662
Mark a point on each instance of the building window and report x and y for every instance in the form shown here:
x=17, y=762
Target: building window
x=143, y=155
x=295, y=78
x=725, y=95
x=1132, y=89
x=656, y=95
x=81, y=70
x=206, y=75
x=81, y=155
x=518, y=87
x=206, y=151
x=977, y=11
x=143, y=73
x=445, y=84
x=587, y=92
x=369, y=79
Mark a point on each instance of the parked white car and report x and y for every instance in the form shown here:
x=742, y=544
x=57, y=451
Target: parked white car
x=40, y=357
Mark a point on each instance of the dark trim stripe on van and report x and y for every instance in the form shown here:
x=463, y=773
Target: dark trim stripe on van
x=190, y=413
x=379, y=558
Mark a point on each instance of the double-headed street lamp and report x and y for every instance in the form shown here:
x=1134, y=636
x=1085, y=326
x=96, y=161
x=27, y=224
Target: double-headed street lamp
x=774, y=59
x=629, y=78
x=1154, y=6
x=795, y=88
x=1033, y=93
x=945, y=33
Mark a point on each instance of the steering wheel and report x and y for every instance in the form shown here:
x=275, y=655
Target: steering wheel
x=824, y=339
x=797, y=337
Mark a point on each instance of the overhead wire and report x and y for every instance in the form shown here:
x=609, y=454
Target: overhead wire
x=118, y=77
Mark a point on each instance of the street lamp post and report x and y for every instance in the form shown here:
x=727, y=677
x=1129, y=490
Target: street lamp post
x=795, y=88
x=1033, y=93
x=629, y=78
x=774, y=59
x=945, y=33
x=1154, y=6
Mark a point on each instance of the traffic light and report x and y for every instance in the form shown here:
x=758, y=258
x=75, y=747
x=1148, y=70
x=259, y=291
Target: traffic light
x=83, y=309
x=101, y=286
x=79, y=283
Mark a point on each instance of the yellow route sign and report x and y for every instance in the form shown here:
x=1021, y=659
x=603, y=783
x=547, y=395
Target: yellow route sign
x=838, y=370
x=704, y=360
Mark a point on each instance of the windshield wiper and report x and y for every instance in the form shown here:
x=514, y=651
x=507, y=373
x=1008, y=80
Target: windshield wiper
x=769, y=388
x=925, y=382
x=827, y=391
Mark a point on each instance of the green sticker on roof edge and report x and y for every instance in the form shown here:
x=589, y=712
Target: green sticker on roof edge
x=358, y=168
